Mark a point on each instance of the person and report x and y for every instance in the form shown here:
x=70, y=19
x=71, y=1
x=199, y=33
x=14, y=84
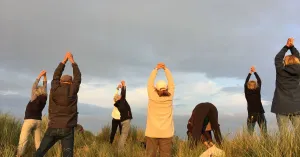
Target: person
x=254, y=106
x=206, y=135
x=126, y=116
x=201, y=111
x=33, y=114
x=286, y=98
x=116, y=122
x=160, y=126
x=63, y=114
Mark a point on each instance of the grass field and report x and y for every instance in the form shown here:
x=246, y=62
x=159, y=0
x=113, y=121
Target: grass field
x=90, y=145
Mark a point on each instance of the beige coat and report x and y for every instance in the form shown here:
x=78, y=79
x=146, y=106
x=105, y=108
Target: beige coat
x=160, y=122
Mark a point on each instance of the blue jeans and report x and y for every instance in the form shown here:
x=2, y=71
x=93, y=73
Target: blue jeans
x=52, y=135
x=260, y=119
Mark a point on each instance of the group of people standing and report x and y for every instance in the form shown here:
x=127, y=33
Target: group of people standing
x=63, y=114
x=286, y=98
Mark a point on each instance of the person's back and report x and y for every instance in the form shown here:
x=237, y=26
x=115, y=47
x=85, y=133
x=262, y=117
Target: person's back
x=160, y=125
x=62, y=110
x=286, y=98
x=287, y=92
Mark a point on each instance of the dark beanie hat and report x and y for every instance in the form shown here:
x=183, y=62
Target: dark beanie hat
x=66, y=78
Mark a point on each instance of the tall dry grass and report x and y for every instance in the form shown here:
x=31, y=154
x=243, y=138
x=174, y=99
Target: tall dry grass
x=90, y=145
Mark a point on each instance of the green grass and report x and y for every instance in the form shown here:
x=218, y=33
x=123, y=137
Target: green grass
x=97, y=145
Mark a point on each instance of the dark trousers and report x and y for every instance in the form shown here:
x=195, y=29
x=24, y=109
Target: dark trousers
x=52, y=135
x=114, y=126
x=260, y=119
x=201, y=111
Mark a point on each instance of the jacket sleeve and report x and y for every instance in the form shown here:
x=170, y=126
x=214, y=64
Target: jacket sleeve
x=295, y=52
x=150, y=86
x=56, y=76
x=123, y=93
x=258, y=79
x=246, y=81
x=279, y=58
x=76, y=80
x=171, y=85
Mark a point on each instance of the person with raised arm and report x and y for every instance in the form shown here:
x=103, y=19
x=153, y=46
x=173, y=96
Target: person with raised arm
x=63, y=114
x=33, y=114
x=126, y=117
x=286, y=98
x=116, y=122
x=255, y=109
x=160, y=125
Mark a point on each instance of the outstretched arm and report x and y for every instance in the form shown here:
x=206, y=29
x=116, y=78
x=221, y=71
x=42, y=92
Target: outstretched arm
x=258, y=79
x=150, y=86
x=279, y=57
x=34, y=87
x=295, y=52
x=57, y=74
x=171, y=85
x=123, y=92
x=246, y=81
x=76, y=78
x=45, y=83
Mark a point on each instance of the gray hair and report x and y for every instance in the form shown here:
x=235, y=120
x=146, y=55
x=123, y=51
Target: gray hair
x=40, y=91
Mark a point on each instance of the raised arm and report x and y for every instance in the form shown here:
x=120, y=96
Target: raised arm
x=295, y=52
x=150, y=86
x=279, y=57
x=247, y=79
x=258, y=79
x=35, y=84
x=123, y=93
x=76, y=78
x=57, y=74
x=171, y=85
x=45, y=83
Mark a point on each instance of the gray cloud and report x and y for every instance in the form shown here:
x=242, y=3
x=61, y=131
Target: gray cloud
x=115, y=41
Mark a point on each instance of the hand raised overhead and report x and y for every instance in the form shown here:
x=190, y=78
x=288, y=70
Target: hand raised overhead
x=123, y=83
x=161, y=66
x=290, y=42
x=42, y=73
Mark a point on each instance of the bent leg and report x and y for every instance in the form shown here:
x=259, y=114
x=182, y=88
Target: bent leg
x=47, y=142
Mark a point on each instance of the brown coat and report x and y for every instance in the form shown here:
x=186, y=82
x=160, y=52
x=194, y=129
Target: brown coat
x=63, y=99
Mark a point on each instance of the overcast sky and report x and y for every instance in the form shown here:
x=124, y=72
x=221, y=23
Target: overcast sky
x=209, y=46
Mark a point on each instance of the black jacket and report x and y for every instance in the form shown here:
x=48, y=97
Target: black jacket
x=123, y=106
x=253, y=97
x=286, y=98
x=34, y=108
x=63, y=99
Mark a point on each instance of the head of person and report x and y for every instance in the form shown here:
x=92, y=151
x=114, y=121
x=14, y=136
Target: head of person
x=66, y=79
x=40, y=91
x=162, y=88
x=290, y=60
x=252, y=85
x=117, y=97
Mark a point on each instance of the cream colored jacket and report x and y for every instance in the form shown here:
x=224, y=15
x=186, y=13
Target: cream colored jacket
x=160, y=122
